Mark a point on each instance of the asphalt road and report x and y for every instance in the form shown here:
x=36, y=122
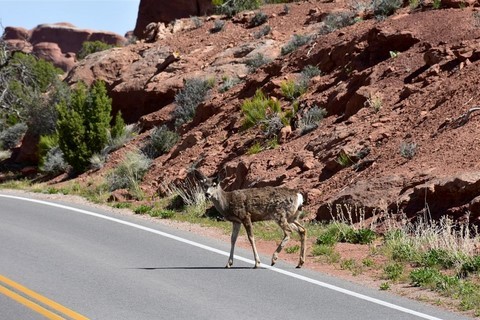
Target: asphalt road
x=102, y=265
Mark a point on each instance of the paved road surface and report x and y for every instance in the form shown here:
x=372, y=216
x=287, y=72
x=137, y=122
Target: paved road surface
x=102, y=265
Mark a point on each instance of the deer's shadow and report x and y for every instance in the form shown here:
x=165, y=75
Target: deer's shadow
x=191, y=268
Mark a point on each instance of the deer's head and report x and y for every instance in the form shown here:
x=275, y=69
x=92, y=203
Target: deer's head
x=211, y=185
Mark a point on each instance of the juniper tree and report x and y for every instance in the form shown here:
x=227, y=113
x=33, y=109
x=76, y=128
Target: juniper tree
x=83, y=124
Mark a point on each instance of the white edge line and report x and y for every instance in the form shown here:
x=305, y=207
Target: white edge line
x=224, y=253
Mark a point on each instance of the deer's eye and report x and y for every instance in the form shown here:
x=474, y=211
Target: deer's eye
x=214, y=184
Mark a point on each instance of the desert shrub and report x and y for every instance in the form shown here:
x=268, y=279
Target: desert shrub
x=129, y=172
x=408, y=149
x=262, y=32
x=11, y=137
x=292, y=89
x=258, y=60
x=476, y=19
x=162, y=140
x=255, y=148
x=232, y=7
x=344, y=160
x=53, y=161
x=310, y=118
x=384, y=8
x=296, y=42
x=97, y=161
x=310, y=71
x=197, y=22
x=121, y=138
x=83, y=124
x=374, y=102
x=194, y=92
x=46, y=142
x=437, y=258
x=258, y=108
x=228, y=83
x=472, y=265
x=30, y=88
x=393, y=271
x=89, y=47
x=142, y=209
x=217, y=26
x=272, y=126
x=258, y=19
x=162, y=213
x=337, y=20
x=292, y=249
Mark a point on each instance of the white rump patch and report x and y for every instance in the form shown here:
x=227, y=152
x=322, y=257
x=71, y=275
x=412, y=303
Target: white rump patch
x=299, y=200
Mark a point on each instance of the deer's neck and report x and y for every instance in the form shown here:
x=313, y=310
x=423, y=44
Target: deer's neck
x=220, y=201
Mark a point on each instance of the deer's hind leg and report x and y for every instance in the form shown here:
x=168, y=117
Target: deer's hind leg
x=287, y=231
x=303, y=235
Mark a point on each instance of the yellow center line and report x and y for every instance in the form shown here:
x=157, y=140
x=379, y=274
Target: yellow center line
x=29, y=304
x=47, y=302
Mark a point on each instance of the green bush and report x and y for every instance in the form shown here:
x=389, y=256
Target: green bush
x=194, y=92
x=437, y=258
x=83, y=124
x=472, y=265
x=393, y=271
x=161, y=213
x=89, y=47
x=258, y=108
x=142, y=209
x=293, y=90
x=425, y=277
x=119, y=127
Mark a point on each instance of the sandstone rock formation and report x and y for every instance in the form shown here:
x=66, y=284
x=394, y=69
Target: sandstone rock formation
x=58, y=42
x=167, y=11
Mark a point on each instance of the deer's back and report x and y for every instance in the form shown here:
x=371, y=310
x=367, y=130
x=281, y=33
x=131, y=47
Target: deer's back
x=264, y=204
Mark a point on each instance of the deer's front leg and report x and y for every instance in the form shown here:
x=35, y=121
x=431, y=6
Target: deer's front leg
x=249, y=228
x=235, y=229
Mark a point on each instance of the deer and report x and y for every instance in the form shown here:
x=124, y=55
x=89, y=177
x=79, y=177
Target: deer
x=246, y=206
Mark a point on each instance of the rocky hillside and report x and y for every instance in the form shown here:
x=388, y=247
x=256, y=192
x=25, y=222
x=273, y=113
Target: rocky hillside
x=397, y=135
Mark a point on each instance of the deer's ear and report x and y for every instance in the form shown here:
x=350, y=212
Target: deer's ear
x=199, y=174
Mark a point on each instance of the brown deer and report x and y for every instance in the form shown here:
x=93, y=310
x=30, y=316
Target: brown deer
x=258, y=204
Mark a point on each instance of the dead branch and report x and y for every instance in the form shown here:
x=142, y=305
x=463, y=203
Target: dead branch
x=463, y=119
